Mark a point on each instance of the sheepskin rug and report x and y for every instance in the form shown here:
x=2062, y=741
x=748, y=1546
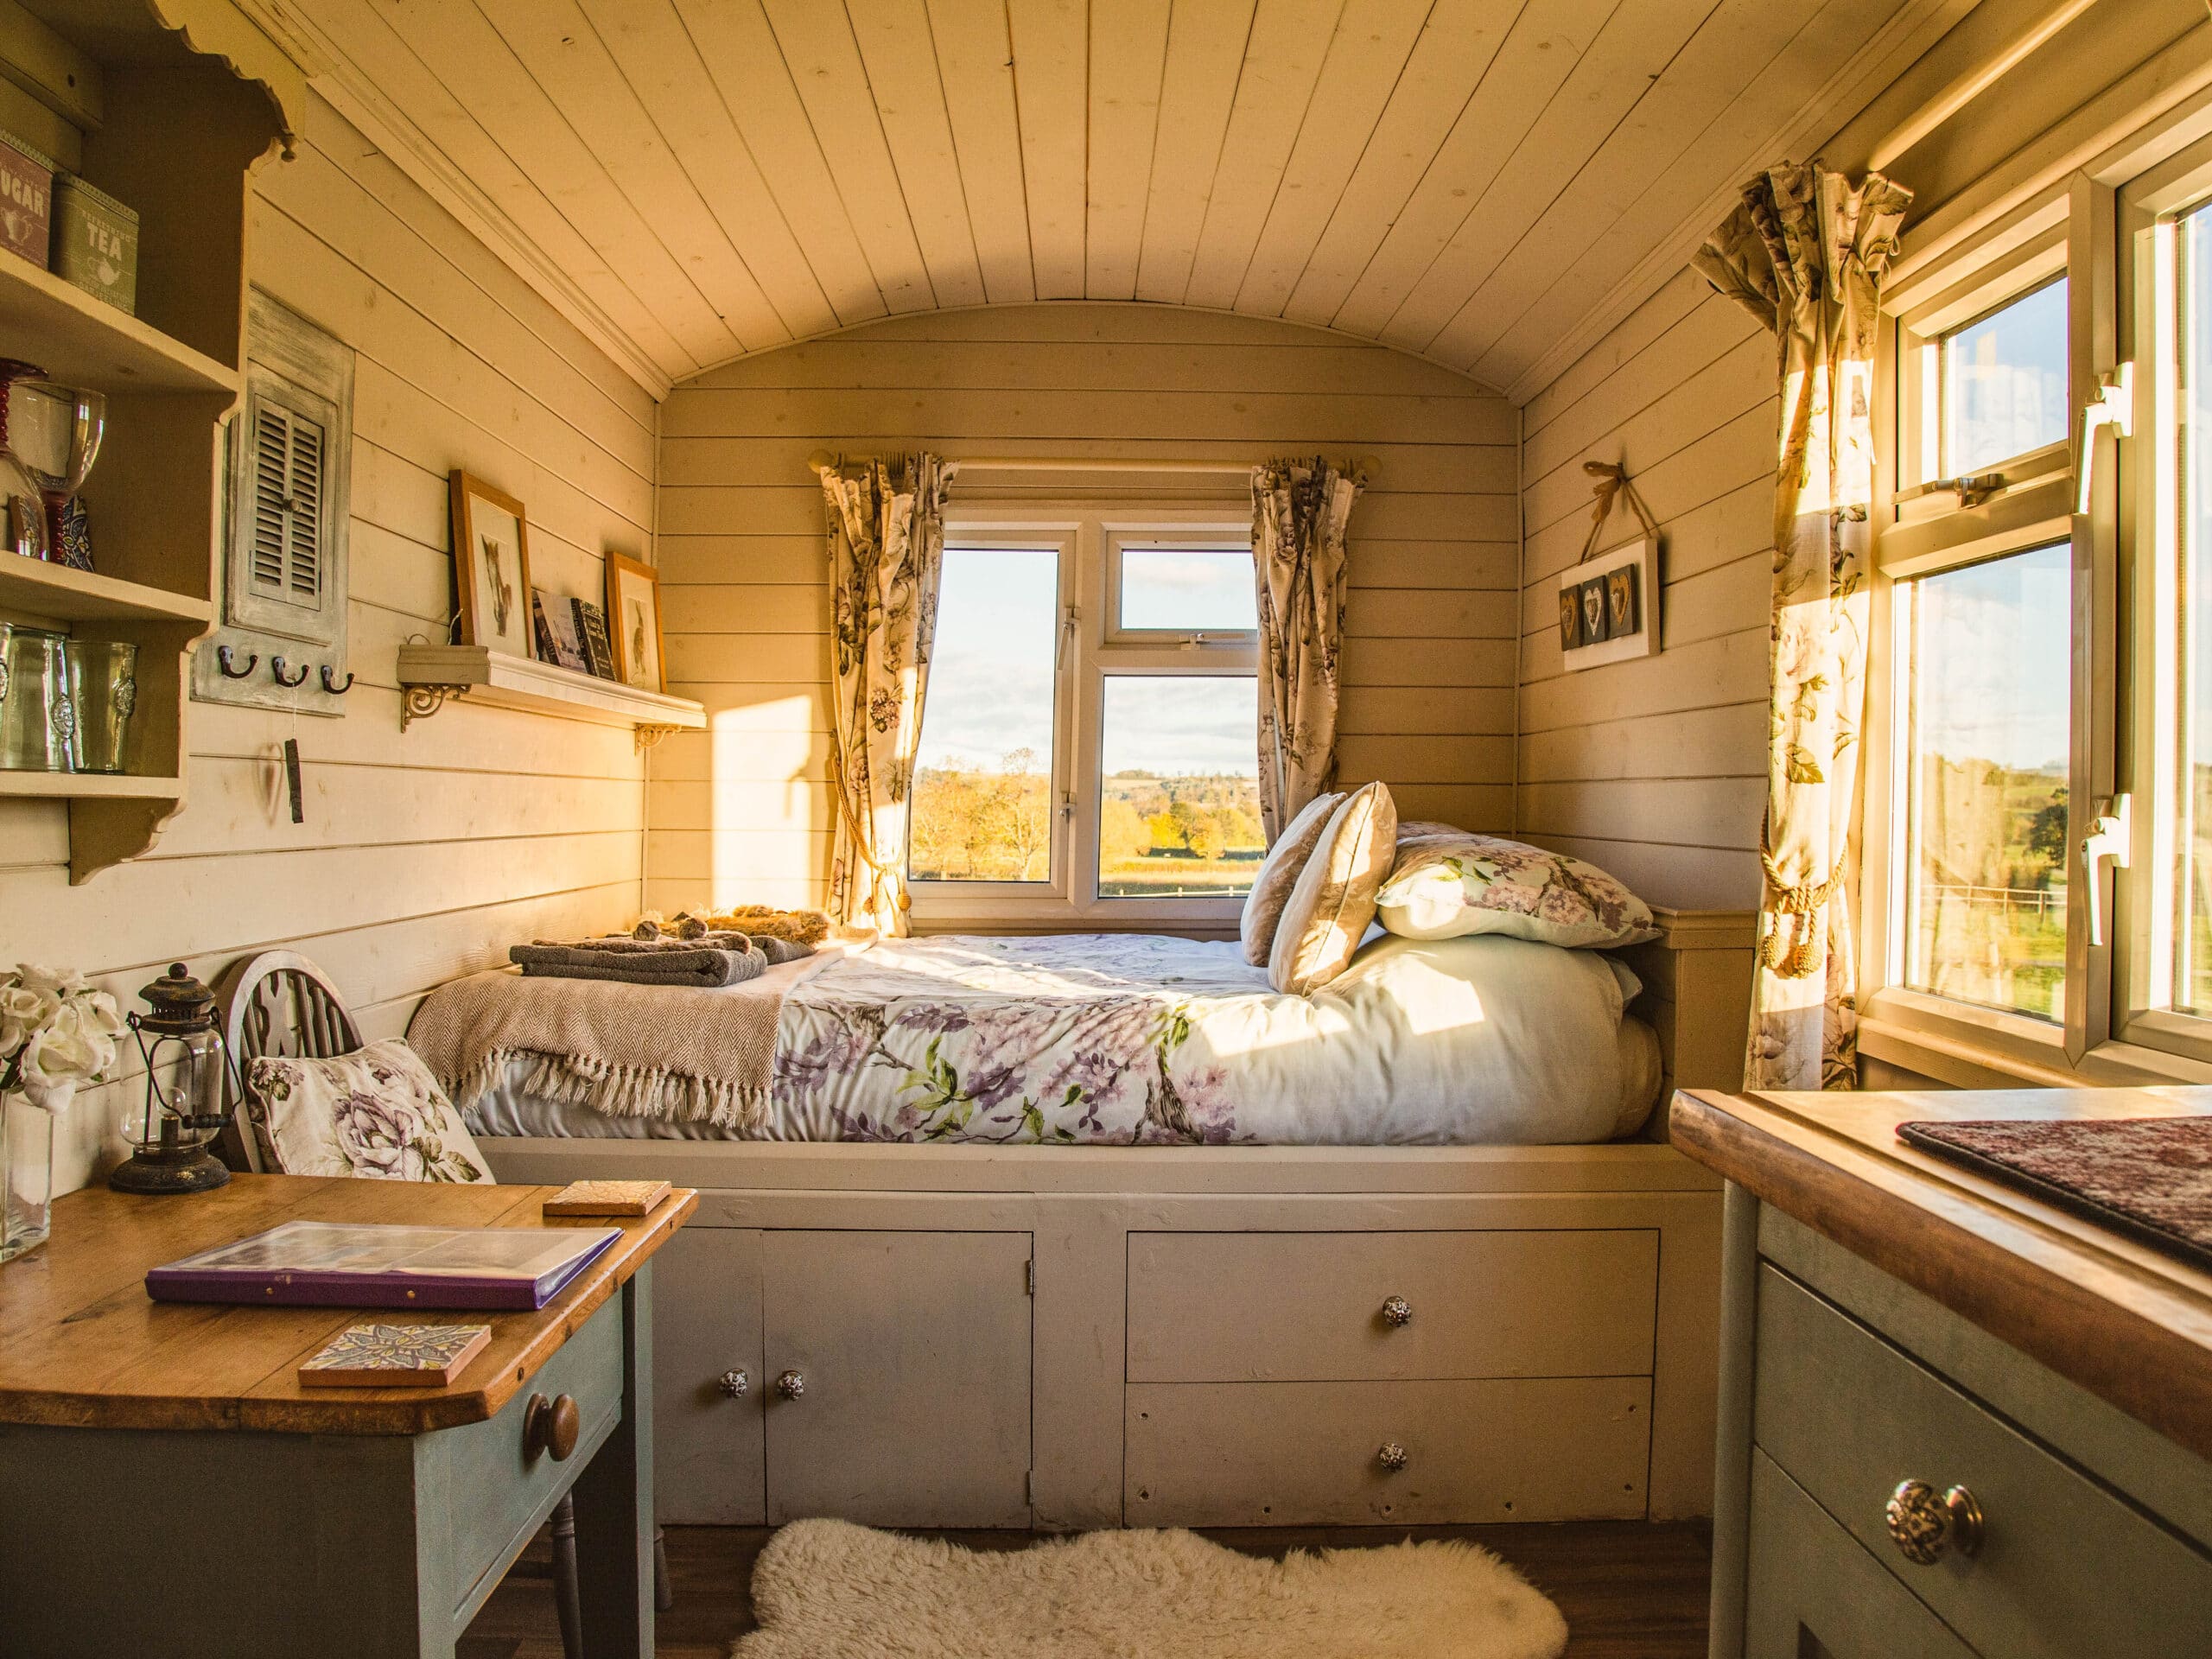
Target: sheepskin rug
x=830, y=1590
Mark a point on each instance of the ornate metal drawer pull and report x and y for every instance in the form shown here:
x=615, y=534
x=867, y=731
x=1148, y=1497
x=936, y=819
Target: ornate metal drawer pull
x=1397, y=1312
x=1926, y=1525
x=736, y=1382
x=550, y=1425
x=790, y=1385
x=277, y=668
x=232, y=672
x=1391, y=1456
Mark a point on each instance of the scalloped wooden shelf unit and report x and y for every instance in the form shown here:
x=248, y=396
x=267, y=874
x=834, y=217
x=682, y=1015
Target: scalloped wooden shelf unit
x=34, y=587
x=89, y=786
x=82, y=341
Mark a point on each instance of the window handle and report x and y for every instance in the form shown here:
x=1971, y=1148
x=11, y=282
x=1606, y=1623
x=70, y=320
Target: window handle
x=2108, y=839
x=2113, y=406
x=1067, y=639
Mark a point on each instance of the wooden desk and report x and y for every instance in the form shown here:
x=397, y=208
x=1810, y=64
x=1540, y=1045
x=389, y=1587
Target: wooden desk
x=168, y=1488
x=1886, y=1316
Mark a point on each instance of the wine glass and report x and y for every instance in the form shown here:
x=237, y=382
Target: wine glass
x=12, y=370
x=87, y=425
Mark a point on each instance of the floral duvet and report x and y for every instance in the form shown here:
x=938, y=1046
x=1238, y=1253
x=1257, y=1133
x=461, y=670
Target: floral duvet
x=1123, y=1039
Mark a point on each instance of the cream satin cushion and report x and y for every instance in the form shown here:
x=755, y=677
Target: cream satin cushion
x=1278, y=873
x=376, y=1113
x=1329, y=908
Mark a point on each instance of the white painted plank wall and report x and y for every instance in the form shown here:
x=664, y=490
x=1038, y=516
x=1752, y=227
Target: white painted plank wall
x=424, y=855
x=741, y=811
x=1652, y=768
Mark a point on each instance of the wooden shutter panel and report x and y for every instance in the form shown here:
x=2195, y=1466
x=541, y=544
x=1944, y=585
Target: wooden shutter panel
x=288, y=502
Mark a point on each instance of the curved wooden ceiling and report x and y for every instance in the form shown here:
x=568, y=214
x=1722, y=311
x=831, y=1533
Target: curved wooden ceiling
x=1486, y=183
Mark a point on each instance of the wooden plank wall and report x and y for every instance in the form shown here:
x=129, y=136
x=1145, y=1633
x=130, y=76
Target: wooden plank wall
x=1655, y=769
x=741, y=811
x=424, y=855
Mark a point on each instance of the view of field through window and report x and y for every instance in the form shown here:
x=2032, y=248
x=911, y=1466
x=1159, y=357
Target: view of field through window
x=2192, y=806
x=1989, y=735
x=1178, y=807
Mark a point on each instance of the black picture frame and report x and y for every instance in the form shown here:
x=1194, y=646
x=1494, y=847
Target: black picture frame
x=1623, y=592
x=1596, y=629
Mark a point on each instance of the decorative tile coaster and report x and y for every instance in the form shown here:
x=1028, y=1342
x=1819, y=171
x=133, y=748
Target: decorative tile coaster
x=607, y=1198
x=395, y=1356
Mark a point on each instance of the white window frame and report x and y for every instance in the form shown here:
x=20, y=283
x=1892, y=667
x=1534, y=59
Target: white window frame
x=1092, y=649
x=2101, y=218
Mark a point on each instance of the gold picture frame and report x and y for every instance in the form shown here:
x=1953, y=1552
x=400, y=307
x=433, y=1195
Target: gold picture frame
x=491, y=565
x=634, y=623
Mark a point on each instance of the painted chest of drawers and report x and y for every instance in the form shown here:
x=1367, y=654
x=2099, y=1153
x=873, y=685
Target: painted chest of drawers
x=1955, y=1421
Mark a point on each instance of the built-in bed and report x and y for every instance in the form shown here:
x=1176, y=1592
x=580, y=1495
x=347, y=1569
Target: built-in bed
x=1073, y=1233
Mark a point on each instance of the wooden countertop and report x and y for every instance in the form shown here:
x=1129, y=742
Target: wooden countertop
x=2130, y=1325
x=82, y=1344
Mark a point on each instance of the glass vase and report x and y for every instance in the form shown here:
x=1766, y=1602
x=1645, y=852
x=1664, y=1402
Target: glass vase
x=26, y=1175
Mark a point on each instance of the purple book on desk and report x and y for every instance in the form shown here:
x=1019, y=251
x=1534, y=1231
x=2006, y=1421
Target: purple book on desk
x=327, y=1264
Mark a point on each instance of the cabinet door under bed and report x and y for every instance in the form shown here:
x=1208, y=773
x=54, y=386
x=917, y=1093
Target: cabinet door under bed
x=881, y=1377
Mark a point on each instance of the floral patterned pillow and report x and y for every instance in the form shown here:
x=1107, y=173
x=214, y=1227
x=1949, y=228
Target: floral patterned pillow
x=1451, y=882
x=376, y=1113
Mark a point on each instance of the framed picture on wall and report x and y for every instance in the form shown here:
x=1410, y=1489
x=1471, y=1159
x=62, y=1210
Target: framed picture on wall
x=1609, y=606
x=491, y=563
x=633, y=621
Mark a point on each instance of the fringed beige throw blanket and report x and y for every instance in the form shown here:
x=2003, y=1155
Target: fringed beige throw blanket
x=687, y=1054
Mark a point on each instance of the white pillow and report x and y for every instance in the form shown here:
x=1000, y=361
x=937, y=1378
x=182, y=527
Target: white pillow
x=376, y=1113
x=1449, y=885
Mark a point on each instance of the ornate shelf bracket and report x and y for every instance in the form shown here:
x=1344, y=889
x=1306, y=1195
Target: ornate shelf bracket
x=423, y=701
x=649, y=737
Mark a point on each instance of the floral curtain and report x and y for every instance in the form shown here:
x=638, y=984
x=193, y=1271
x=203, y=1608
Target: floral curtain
x=886, y=550
x=1805, y=254
x=1299, y=510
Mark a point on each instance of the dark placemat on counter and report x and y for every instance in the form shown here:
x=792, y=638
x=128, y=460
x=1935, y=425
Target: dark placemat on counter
x=2148, y=1178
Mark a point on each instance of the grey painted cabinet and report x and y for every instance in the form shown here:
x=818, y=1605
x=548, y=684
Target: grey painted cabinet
x=881, y=1377
x=2093, y=1533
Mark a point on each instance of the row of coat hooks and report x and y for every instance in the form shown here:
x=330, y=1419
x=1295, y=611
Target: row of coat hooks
x=280, y=671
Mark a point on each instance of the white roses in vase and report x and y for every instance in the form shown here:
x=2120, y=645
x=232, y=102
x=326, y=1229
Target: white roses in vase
x=56, y=1033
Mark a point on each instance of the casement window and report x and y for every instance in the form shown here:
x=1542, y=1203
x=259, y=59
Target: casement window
x=2039, y=833
x=1090, y=740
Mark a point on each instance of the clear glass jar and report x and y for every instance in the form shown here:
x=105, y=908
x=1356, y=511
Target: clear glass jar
x=38, y=717
x=104, y=674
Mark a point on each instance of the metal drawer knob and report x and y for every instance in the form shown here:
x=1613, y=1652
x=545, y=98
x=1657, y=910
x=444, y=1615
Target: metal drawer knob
x=1397, y=1312
x=1391, y=1456
x=790, y=1385
x=550, y=1425
x=1926, y=1524
x=736, y=1382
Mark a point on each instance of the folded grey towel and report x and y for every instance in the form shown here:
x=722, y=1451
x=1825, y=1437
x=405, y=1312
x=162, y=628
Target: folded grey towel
x=708, y=967
x=778, y=950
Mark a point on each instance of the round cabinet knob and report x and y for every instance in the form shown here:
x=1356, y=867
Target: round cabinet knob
x=1397, y=1312
x=550, y=1425
x=736, y=1382
x=1391, y=1456
x=790, y=1385
x=1926, y=1525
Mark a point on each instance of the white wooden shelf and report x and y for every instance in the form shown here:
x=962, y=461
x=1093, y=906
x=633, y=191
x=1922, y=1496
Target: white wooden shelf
x=83, y=341
x=431, y=674
x=38, y=588
x=89, y=786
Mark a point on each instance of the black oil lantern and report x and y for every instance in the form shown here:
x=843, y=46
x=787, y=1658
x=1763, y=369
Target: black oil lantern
x=185, y=1074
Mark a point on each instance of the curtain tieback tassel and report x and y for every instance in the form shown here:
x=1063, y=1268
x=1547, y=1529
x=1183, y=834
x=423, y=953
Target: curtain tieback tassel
x=1789, y=934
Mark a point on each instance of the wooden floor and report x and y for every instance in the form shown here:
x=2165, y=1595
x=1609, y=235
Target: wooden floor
x=1629, y=1591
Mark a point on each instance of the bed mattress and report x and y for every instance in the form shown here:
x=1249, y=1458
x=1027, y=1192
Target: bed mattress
x=1123, y=1039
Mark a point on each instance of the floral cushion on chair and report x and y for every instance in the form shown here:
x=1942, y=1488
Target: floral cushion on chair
x=1451, y=882
x=377, y=1112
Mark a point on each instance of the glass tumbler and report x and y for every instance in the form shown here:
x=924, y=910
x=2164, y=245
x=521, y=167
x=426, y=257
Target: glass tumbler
x=38, y=719
x=104, y=674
